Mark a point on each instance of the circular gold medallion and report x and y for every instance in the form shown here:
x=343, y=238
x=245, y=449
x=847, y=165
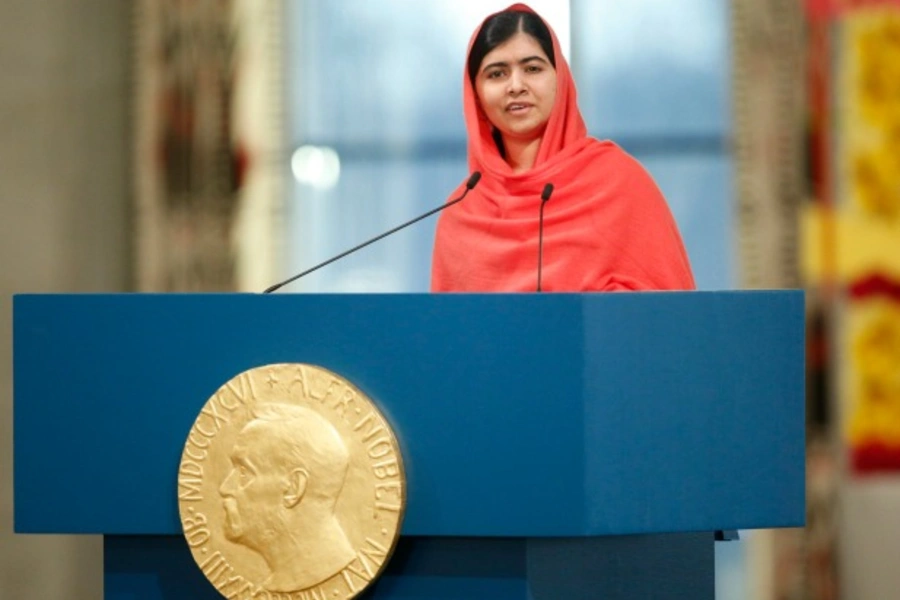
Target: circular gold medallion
x=291, y=486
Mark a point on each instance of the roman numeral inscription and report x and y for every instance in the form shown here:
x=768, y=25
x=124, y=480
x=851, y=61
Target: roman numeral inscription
x=241, y=392
x=213, y=417
x=190, y=479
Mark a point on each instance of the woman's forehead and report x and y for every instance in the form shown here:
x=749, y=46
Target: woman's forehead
x=519, y=46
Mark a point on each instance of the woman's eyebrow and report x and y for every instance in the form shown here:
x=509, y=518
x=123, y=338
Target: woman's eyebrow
x=506, y=64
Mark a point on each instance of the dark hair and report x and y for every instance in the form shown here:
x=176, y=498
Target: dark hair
x=502, y=26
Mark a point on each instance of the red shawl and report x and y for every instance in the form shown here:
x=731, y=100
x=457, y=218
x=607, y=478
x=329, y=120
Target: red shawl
x=606, y=227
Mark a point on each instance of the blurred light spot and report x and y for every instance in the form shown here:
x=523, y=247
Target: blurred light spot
x=319, y=167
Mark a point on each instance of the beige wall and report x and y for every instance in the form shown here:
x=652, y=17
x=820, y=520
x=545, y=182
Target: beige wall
x=64, y=219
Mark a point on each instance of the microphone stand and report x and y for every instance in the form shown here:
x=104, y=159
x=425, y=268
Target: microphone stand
x=545, y=195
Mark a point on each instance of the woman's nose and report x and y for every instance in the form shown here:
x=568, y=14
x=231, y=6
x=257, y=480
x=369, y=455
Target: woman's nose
x=516, y=83
x=226, y=488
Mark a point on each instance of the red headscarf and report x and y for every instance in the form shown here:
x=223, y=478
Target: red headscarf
x=606, y=226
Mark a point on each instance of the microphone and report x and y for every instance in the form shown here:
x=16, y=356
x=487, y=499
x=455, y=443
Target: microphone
x=545, y=195
x=470, y=183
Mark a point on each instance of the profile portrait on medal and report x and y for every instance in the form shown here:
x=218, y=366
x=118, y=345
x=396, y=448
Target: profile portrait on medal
x=287, y=470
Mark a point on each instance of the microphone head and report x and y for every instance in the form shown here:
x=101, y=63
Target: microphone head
x=548, y=189
x=473, y=180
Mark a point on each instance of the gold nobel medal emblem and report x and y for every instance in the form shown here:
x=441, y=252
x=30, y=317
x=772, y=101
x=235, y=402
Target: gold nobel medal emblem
x=291, y=486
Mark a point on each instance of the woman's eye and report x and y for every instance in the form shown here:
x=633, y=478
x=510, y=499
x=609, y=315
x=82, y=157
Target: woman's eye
x=494, y=74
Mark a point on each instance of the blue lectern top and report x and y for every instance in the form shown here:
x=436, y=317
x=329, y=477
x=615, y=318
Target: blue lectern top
x=519, y=415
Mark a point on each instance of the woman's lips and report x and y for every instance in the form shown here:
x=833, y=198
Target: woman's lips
x=518, y=107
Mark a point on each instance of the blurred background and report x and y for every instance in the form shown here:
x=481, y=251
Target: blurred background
x=188, y=145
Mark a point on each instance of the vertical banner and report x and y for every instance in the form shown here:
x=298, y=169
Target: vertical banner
x=768, y=101
x=774, y=124
x=851, y=258
x=207, y=133
x=869, y=181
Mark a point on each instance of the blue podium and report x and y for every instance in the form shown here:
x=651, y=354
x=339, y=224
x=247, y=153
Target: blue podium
x=556, y=445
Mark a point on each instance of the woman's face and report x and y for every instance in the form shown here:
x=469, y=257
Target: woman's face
x=516, y=85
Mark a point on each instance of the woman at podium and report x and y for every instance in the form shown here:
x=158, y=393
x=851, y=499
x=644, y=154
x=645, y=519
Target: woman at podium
x=555, y=209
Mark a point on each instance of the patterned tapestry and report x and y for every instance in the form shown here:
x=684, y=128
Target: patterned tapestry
x=869, y=184
x=771, y=132
x=208, y=138
x=852, y=228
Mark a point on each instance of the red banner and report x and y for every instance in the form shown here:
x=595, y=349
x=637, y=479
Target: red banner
x=824, y=9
